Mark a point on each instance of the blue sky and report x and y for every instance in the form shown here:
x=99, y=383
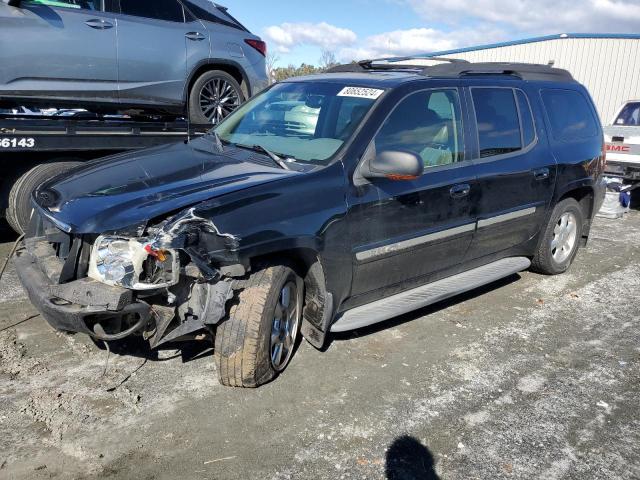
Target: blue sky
x=299, y=30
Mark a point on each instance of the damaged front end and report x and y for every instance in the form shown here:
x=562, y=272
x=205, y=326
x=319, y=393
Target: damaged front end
x=169, y=283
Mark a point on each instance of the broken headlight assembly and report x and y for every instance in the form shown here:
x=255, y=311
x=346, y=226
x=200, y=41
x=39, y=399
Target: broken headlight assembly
x=133, y=263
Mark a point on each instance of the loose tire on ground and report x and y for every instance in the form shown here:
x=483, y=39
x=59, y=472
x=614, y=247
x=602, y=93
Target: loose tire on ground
x=19, y=208
x=196, y=114
x=544, y=261
x=243, y=341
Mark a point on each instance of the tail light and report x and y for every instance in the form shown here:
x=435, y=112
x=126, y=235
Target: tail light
x=259, y=45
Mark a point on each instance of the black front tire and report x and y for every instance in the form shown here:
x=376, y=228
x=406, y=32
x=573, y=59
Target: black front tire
x=243, y=342
x=544, y=261
x=196, y=113
x=19, y=209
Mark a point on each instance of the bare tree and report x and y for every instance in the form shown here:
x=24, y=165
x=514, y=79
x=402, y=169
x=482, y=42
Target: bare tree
x=327, y=59
x=272, y=59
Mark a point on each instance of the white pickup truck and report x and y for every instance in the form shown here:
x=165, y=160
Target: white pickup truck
x=622, y=140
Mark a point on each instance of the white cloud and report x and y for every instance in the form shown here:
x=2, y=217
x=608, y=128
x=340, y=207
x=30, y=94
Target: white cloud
x=290, y=35
x=463, y=23
x=346, y=45
x=416, y=41
x=539, y=16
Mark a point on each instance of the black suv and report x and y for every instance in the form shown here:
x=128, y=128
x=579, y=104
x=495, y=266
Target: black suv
x=325, y=204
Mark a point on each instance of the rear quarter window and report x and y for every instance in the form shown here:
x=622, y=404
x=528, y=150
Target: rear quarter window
x=569, y=114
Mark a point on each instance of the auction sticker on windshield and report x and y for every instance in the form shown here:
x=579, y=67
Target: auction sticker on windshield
x=361, y=92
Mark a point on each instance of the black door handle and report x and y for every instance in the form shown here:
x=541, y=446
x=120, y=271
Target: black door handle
x=99, y=24
x=460, y=191
x=541, y=174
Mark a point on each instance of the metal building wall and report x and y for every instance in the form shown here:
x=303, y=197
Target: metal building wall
x=608, y=67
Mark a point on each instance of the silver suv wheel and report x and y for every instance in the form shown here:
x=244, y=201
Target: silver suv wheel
x=218, y=98
x=564, y=239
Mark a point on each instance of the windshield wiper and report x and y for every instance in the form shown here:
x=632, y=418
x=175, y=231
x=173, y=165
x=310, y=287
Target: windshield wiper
x=260, y=149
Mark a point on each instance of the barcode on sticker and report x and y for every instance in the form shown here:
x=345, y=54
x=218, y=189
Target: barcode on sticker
x=361, y=92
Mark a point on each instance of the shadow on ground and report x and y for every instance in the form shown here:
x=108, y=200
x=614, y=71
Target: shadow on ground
x=408, y=459
x=138, y=347
x=6, y=233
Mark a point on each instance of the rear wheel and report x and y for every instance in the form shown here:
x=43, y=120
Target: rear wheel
x=561, y=239
x=213, y=97
x=19, y=208
x=258, y=339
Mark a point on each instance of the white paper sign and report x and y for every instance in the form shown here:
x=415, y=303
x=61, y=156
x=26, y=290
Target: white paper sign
x=361, y=92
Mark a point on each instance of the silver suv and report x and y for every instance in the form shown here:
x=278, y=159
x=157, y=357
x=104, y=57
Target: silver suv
x=161, y=56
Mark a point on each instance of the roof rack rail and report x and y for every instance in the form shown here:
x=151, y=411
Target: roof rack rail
x=392, y=60
x=460, y=68
x=525, y=71
x=392, y=63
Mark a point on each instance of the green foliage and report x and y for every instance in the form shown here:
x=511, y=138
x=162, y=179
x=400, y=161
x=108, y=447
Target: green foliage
x=282, y=73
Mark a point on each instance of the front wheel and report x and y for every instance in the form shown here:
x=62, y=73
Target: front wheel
x=258, y=339
x=213, y=97
x=561, y=239
x=19, y=209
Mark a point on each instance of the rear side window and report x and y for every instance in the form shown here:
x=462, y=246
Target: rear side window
x=497, y=120
x=95, y=5
x=168, y=10
x=569, y=113
x=526, y=119
x=209, y=16
x=629, y=116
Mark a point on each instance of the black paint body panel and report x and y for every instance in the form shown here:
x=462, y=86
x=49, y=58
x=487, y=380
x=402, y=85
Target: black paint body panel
x=319, y=209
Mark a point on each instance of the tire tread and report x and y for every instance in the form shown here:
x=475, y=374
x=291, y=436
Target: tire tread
x=237, y=350
x=542, y=261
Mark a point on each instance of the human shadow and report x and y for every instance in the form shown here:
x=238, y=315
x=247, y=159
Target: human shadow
x=408, y=459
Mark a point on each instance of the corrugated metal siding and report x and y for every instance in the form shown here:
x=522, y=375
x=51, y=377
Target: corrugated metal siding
x=608, y=67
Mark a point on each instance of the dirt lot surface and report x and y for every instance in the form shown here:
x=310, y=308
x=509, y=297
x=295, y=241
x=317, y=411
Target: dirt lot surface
x=534, y=377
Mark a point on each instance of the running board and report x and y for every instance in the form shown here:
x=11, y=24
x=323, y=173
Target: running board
x=429, y=294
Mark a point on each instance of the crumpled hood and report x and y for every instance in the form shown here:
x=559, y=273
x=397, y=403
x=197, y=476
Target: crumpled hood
x=130, y=189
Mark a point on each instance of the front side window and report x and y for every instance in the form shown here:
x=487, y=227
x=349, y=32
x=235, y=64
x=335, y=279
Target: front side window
x=95, y=5
x=497, y=120
x=569, y=115
x=427, y=123
x=306, y=121
x=629, y=116
x=168, y=10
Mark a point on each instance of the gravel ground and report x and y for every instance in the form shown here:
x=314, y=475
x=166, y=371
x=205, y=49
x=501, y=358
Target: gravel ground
x=532, y=377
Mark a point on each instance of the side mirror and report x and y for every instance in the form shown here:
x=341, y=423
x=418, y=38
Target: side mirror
x=394, y=165
x=14, y=3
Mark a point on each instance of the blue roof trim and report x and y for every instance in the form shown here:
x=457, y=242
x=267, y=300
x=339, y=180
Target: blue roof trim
x=560, y=36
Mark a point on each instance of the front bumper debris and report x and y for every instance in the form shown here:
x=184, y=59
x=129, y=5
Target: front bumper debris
x=80, y=305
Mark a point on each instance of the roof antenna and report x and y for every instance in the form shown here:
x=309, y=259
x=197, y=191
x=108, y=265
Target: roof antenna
x=551, y=63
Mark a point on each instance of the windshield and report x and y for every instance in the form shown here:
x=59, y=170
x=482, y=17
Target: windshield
x=630, y=115
x=303, y=121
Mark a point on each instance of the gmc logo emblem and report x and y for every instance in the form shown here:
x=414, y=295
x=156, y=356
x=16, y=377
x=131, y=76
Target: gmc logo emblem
x=618, y=148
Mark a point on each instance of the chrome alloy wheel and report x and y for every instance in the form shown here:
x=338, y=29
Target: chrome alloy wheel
x=284, y=329
x=218, y=99
x=565, y=235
